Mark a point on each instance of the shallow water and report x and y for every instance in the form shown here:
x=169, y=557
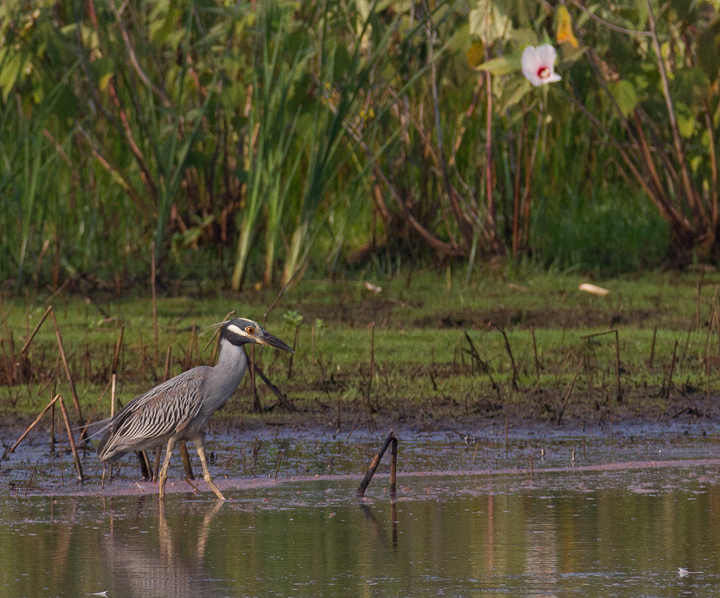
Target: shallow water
x=470, y=519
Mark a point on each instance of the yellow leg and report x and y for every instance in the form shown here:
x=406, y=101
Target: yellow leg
x=162, y=478
x=206, y=473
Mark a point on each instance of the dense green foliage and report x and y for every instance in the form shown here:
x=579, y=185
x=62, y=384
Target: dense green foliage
x=251, y=141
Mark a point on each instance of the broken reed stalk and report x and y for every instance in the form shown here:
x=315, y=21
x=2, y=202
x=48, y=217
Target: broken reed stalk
x=509, y=352
x=52, y=429
x=567, y=396
x=375, y=462
x=32, y=475
x=284, y=401
x=34, y=332
x=393, y=470
x=672, y=370
x=144, y=465
x=154, y=300
x=118, y=344
x=372, y=364
x=482, y=366
x=168, y=363
x=112, y=413
x=535, y=353
x=31, y=426
x=697, y=298
x=290, y=361
x=76, y=401
x=687, y=341
x=652, y=347
x=281, y=454
x=71, y=440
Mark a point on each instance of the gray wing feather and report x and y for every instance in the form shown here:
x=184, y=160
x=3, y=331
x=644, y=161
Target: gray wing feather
x=162, y=411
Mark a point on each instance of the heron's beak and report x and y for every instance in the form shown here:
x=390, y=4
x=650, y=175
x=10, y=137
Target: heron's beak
x=272, y=341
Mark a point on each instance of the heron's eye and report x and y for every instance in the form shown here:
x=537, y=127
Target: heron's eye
x=250, y=330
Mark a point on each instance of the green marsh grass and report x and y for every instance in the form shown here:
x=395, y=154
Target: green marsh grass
x=423, y=369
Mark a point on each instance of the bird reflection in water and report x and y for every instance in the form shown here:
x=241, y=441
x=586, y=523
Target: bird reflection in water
x=143, y=565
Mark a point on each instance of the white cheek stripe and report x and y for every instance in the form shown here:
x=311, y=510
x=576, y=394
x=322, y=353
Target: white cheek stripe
x=236, y=330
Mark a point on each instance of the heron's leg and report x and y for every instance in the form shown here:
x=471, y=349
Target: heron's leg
x=162, y=478
x=206, y=473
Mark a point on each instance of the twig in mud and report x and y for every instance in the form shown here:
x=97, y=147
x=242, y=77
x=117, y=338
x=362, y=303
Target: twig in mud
x=374, y=465
x=483, y=366
x=71, y=440
x=567, y=396
x=30, y=427
x=63, y=356
x=355, y=423
x=32, y=475
x=281, y=454
x=697, y=298
x=509, y=351
x=230, y=458
x=652, y=347
x=372, y=366
x=672, y=370
x=687, y=342
x=284, y=401
x=256, y=449
x=393, y=469
x=685, y=410
x=290, y=361
x=535, y=353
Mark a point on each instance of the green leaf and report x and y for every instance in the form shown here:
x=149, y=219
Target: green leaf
x=691, y=86
x=502, y=65
x=9, y=74
x=624, y=94
x=513, y=92
x=686, y=119
x=708, y=49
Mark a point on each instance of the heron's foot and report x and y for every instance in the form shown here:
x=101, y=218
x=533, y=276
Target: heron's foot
x=214, y=488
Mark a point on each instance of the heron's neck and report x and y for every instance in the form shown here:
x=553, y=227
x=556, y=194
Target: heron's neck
x=228, y=372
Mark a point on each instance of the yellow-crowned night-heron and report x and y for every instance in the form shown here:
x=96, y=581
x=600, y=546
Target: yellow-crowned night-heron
x=177, y=410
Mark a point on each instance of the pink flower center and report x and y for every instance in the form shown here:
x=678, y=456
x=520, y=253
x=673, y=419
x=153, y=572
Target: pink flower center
x=543, y=72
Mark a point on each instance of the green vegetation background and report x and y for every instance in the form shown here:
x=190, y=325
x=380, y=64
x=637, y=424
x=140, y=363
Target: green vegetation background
x=249, y=142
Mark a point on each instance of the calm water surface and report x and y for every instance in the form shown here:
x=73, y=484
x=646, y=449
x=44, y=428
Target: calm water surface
x=618, y=520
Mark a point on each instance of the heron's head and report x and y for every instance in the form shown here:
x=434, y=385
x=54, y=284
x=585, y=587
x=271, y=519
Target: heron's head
x=241, y=331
